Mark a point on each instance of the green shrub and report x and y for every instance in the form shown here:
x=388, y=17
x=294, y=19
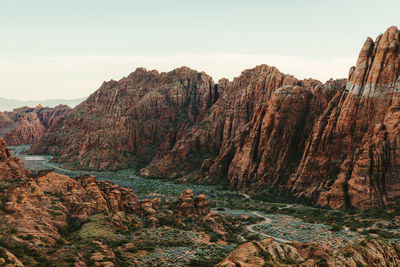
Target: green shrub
x=146, y=245
x=348, y=254
x=166, y=220
x=213, y=237
x=204, y=262
x=289, y=261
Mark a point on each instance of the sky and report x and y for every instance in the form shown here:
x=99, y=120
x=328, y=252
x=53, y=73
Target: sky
x=53, y=49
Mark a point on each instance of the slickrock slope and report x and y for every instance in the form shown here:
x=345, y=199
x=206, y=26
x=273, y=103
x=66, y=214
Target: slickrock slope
x=30, y=203
x=270, y=253
x=352, y=157
x=27, y=125
x=126, y=123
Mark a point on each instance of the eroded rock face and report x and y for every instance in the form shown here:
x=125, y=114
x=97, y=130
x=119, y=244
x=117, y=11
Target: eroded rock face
x=337, y=142
x=211, y=143
x=27, y=125
x=334, y=142
x=270, y=253
x=126, y=123
x=10, y=167
x=352, y=156
x=255, y=134
x=30, y=203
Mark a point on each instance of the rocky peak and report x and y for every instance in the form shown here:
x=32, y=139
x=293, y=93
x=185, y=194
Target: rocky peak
x=5, y=153
x=378, y=64
x=351, y=159
x=10, y=167
x=134, y=118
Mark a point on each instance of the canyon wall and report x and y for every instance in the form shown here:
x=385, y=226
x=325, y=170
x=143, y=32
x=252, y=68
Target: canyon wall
x=125, y=123
x=352, y=157
x=335, y=142
x=27, y=125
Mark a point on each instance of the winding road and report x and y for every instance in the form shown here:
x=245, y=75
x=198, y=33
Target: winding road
x=266, y=220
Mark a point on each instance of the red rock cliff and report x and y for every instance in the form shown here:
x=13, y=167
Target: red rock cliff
x=26, y=125
x=337, y=143
x=124, y=123
x=352, y=157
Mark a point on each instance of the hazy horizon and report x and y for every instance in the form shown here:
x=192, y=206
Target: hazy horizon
x=66, y=49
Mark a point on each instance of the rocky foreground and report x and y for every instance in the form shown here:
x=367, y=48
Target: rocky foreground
x=49, y=219
x=270, y=253
x=336, y=143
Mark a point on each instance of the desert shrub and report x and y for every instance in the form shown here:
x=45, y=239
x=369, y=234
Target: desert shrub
x=348, y=254
x=166, y=220
x=73, y=225
x=253, y=237
x=27, y=237
x=146, y=245
x=213, y=237
x=289, y=261
x=204, y=262
x=336, y=228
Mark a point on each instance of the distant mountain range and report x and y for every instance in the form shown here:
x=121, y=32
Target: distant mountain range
x=10, y=104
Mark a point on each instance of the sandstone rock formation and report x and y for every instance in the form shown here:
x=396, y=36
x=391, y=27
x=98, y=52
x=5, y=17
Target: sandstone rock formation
x=10, y=167
x=352, y=156
x=125, y=123
x=26, y=125
x=188, y=205
x=336, y=143
x=44, y=217
x=270, y=253
x=30, y=203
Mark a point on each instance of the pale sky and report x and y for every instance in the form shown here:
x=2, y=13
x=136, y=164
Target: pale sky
x=66, y=49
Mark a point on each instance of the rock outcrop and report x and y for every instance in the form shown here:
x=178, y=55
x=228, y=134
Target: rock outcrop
x=30, y=204
x=27, y=125
x=10, y=167
x=188, y=205
x=336, y=143
x=270, y=253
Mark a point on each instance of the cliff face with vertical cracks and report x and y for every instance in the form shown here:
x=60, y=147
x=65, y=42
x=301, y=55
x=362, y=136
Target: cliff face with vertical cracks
x=125, y=123
x=27, y=125
x=352, y=157
x=337, y=142
x=213, y=139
